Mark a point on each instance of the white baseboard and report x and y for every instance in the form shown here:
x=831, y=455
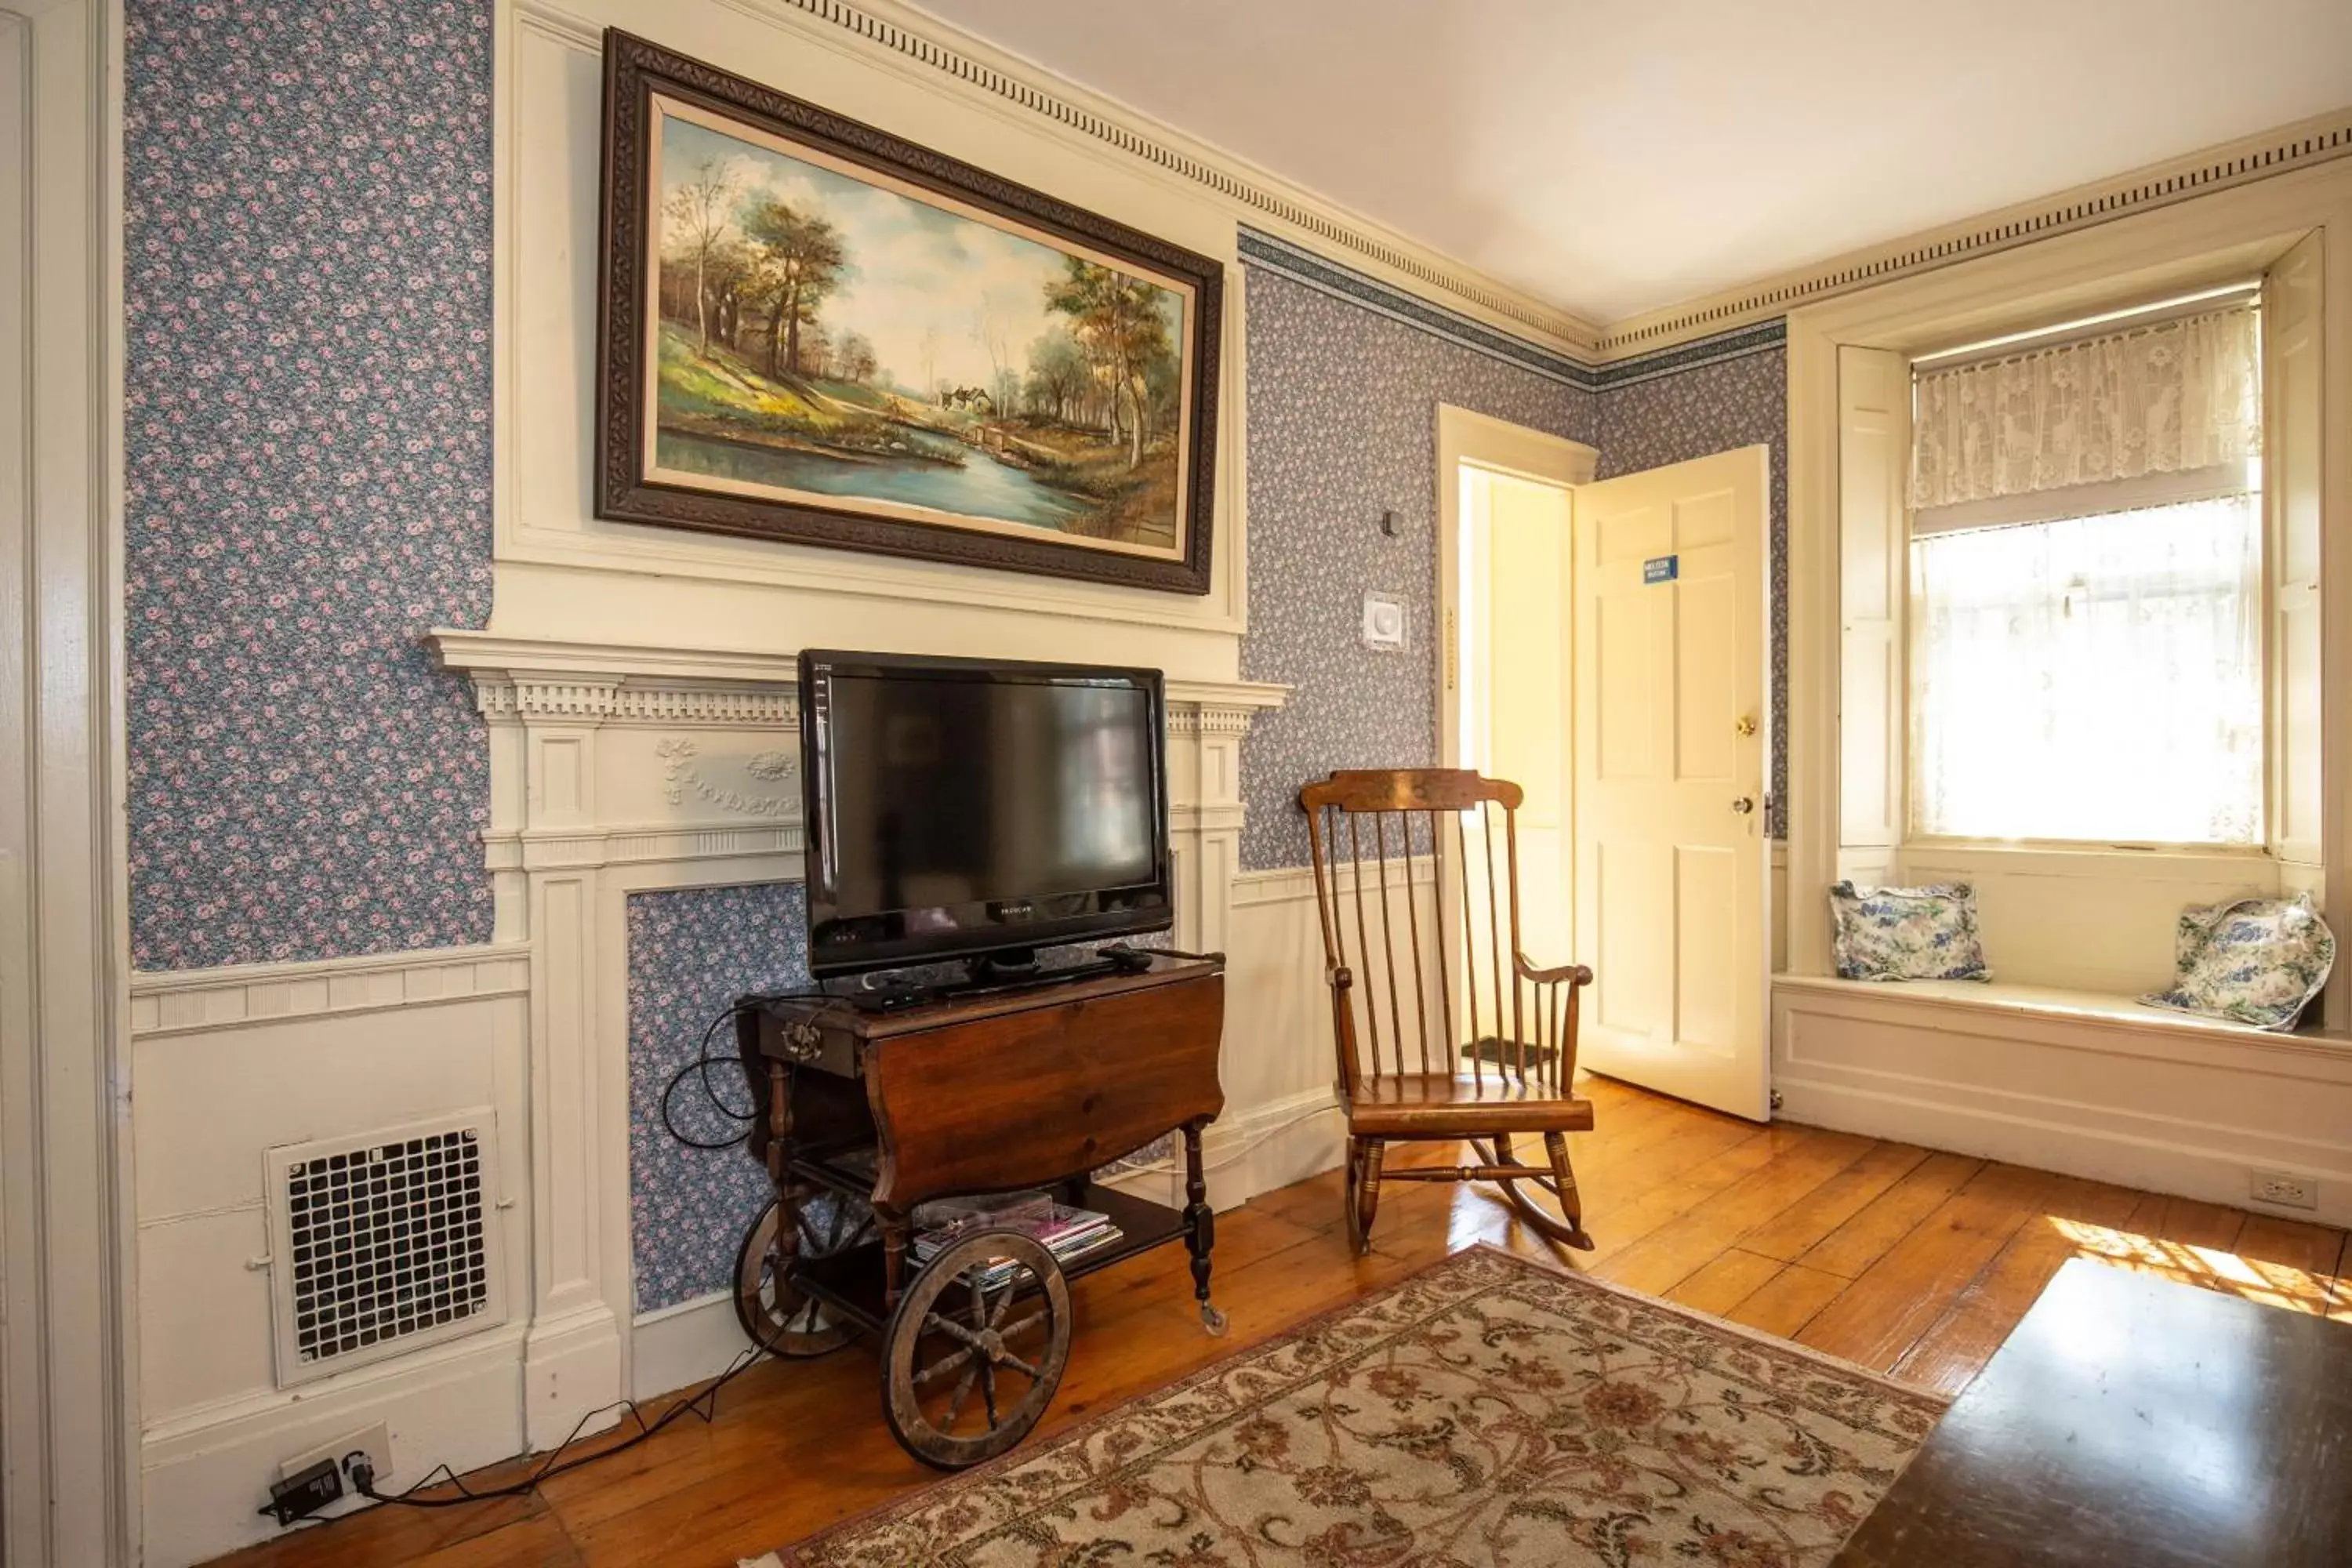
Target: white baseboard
x=674, y=1346
x=2210, y=1176
x=571, y=1363
x=204, y=1474
x=1280, y=1142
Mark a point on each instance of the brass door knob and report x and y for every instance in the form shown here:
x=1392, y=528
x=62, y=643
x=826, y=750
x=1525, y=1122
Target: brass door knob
x=1743, y=805
x=1747, y=725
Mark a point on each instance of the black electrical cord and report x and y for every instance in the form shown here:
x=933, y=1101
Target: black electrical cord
x=701, y=1064
x=703, y=1061
x=704, y=1405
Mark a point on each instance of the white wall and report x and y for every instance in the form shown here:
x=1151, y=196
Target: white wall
x=2085, y=919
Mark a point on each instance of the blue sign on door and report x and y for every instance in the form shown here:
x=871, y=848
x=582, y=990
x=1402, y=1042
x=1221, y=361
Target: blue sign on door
x=1660, y=568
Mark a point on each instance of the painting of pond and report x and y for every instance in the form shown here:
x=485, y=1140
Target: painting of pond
x=822, y=333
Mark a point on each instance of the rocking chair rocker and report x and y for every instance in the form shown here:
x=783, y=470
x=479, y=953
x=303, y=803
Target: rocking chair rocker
x=1463, y=998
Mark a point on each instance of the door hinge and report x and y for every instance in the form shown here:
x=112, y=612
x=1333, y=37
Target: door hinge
x=1453, y=651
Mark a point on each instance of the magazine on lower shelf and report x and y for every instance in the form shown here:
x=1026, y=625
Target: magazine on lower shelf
x=1068, y=1233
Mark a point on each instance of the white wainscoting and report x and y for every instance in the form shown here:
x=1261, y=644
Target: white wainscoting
x=228, y=1063
x=2174, y=1105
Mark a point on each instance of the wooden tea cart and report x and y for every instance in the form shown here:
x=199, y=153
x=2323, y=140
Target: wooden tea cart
x=865, y=1113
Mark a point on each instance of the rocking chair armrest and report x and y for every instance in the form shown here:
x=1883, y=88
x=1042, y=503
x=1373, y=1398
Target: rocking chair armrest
x=1572, y=974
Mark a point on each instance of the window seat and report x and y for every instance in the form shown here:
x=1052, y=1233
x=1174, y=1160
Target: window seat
x=2056, y=1004
x=2085, y=1083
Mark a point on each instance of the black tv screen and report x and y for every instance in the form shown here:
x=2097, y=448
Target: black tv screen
x=957, y=807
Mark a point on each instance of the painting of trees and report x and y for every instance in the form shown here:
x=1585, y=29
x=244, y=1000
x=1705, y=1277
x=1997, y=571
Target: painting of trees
x=1118, y=321
x=801, y=261
x=698, y=207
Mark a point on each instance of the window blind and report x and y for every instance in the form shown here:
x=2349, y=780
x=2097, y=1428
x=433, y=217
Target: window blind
x=2153, y=416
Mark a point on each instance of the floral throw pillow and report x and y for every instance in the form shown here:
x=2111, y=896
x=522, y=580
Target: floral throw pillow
x=1907, y=933
x=2257, y=961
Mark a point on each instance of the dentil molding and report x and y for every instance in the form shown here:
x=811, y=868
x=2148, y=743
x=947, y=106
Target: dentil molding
x=560, y=681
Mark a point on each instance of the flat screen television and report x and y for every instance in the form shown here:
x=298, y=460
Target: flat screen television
x=977, y=809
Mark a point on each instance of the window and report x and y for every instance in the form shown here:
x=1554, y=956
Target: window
x=2087, y=590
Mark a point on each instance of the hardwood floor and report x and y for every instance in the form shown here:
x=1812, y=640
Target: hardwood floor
x=1913, y=1262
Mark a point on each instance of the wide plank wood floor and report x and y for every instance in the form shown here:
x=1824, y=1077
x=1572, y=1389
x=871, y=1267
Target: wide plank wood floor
x=1914, y=1262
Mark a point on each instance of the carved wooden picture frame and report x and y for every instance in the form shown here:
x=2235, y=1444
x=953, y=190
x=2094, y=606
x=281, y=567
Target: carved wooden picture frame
x=813, y=332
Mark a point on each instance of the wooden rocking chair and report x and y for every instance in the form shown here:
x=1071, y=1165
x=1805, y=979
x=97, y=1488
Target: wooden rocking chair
x=1516, y=1023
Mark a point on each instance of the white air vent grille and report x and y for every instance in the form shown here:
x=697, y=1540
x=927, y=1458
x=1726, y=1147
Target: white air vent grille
x=383, y=1243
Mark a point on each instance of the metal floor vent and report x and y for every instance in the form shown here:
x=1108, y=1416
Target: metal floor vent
x=383, y=1243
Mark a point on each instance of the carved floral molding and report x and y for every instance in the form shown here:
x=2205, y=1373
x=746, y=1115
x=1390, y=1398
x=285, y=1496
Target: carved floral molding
x=682, y=766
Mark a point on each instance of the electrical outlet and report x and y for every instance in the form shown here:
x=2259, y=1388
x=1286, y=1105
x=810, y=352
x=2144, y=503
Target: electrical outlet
x=374, y=1441
x=2285, y=1191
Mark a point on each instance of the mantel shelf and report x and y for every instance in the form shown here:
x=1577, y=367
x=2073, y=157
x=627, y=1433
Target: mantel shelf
x=486, y=654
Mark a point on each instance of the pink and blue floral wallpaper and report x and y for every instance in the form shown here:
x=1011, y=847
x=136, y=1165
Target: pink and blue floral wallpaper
x=1343, y=426
x=306, y=428
x=691, y=955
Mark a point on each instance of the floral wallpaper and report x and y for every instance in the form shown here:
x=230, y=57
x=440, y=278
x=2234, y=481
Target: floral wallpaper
x=691, y=953
x=306, y=428
x=1342, y=427
x=1648, y=419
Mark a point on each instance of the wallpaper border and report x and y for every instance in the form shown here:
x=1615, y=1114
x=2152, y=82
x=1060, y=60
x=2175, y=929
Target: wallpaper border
x=1342, y=281
x=1327, y=275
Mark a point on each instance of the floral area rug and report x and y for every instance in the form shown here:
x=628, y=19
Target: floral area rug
x=1488, y=1412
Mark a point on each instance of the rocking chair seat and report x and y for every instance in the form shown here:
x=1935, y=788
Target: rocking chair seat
x=1456, y=1105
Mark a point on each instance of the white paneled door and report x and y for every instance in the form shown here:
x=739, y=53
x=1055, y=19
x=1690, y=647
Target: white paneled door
x=1668, y=672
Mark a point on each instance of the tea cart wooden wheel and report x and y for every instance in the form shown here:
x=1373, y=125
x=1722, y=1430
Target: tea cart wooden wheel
x=776, y=1314
x=984, y=1359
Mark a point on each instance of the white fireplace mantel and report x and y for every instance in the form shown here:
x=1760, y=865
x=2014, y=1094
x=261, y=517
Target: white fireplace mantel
x=621, y=768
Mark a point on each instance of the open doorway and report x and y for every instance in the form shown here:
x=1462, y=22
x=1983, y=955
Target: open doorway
x=1510, y=693
x=1503, y=565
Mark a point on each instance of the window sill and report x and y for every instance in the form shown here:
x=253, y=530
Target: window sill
x=2059, y=1005
x=2168, y=863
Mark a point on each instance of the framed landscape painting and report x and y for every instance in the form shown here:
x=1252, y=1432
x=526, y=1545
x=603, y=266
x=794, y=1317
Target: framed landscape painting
x=816, y=333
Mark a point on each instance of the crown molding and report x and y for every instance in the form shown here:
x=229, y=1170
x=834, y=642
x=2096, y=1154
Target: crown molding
x=916, y=37
x=1568, y=347
x=2276, y=152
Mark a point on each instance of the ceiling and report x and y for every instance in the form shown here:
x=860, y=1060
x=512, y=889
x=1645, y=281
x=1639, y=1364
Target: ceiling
x=1613, y=156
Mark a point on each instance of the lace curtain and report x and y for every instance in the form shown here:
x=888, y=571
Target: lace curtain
x=2174, y=398
x=2095, y=678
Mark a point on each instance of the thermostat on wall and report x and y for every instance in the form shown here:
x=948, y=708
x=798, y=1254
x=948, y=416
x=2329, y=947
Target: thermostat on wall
x=1384, y=623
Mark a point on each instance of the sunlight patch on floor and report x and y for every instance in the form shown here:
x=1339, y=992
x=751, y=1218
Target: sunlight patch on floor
x=2272, y=1284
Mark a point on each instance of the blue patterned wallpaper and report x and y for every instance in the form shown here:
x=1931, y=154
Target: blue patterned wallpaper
x=691, y=953
x=1343, y=426
x=307, y=431
x=1713, y=407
